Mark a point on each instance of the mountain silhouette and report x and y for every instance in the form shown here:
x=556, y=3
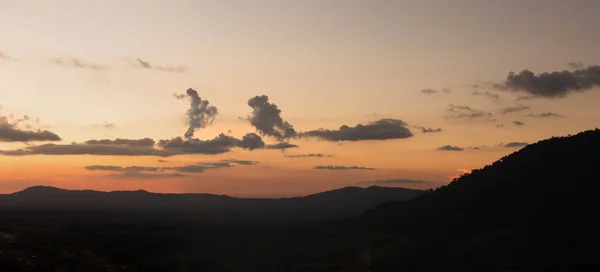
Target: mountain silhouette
x=531, y=210
x=337, y=203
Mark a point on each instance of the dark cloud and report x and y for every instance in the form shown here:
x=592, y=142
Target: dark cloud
x=500, y=125
x=513, y=109
x=553, y=84
x=450, y=148
x=88, y=149
x=515, y=144
x=146, y=175
x=575, y=65
x=493, y=96
x=251, y=141
x=220, y=144
x=429, y=91
x=518, y=123
x=466, y=112
x=430, y=130
x=474, y=147
x=339, y=167
x=382, y=129
x=266, y=118
x=200, y=114
x=143, y=172
x=139, y=63
x=545, y=115
x=162, y=161
x=311, y=155
x=242, y=162
x=10, y=132
x=145, y=147
x=434, y=91
x=145, y=142
x=77, y=63
x=392, y=182
x=281, y=145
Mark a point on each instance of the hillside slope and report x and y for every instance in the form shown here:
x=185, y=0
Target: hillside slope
x=533, y=209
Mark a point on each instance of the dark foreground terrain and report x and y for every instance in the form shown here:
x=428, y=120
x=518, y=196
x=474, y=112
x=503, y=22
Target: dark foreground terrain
x=534, y=210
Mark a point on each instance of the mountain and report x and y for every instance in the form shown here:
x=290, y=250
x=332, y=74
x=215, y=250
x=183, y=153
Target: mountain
x=337, y=203
x=533, y=210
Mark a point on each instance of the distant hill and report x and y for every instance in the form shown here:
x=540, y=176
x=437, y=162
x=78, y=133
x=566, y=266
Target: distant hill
x=349, y=201
x=533, y=209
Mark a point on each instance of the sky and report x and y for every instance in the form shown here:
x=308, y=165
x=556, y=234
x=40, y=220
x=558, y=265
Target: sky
x=285, y=98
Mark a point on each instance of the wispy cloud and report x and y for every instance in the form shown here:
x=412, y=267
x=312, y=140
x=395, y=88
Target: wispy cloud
x=514, y=109
x=545, y=115
x=311, y=155
x=340, y=167
x=142, y=64
x=518, y=123
x=494, y=97
x=77, y=63
x=466, y=112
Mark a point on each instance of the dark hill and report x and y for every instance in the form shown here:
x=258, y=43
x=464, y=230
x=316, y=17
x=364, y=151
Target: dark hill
x=344, y=202
x=533, y=209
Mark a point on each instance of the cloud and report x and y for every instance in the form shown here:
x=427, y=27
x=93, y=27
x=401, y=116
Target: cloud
x=391, y=182
x=144, y=175
x=89, y=149
x=145, y=147
x=500, y=125
x=493, y=96
x=121, y=169
x=282, y=145
x=145, y=142
x=12, y=133
x=311, y=155
x=108, y=125
x=434, y=91
x=429, y=91
x=143, y=172
x=220, y=144
x=200, y=114
x=162, y=161
x=339, y=167
x=466, y=112
x=266, y=118
x=77, y=63
x=383, y=129
x=142, y=64
x=545, y=115
x=430, y=130
x=5, y=56
x=242, y=162
x=575, y=65
x=515, y=144
x=450, y=148
x=513, y=109
x=553, y=84
x=518, y=123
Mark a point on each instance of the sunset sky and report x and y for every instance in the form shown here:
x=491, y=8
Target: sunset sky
x=427, y=80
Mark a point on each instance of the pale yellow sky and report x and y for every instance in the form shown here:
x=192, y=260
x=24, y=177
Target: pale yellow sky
x=324, y=63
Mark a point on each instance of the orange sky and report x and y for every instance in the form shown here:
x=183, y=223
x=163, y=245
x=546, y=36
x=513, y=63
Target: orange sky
x=323, y=63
